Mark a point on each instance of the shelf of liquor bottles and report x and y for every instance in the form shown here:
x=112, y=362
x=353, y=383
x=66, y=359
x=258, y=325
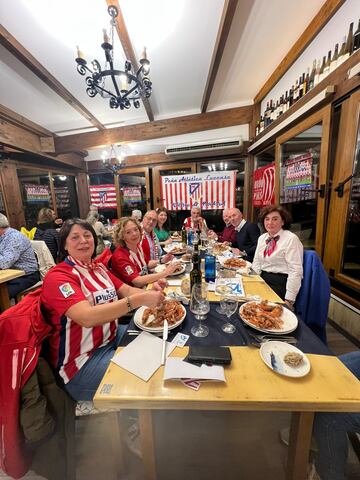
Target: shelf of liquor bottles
x=309, y=80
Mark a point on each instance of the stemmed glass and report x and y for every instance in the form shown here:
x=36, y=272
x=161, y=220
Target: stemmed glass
x=220, y=289
x=229, y=304
x=200, y=307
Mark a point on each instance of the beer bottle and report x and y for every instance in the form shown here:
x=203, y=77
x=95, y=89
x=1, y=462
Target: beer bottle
x=195, y=274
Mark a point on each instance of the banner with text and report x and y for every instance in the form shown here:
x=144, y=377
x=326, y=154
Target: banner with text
x=103, y=196
x=264, y=186
x=208, y=191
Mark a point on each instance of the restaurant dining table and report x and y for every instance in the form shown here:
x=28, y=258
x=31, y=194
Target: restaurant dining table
x=250, y=386
x=6, y=276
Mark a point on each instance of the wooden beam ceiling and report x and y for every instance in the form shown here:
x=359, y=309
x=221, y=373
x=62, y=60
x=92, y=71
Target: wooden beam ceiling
x=23, y=122
x=25, y=57
x=223, y=33
x=128, y=50
x=329, y=8
x=158, y=129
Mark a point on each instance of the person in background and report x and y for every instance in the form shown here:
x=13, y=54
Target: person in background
x=16, y=253
x=228, y=234
x=83, y=301
x=100, y=231
x=162, y=228
x=150, y=243
x=94, y=209
x=129, y=262
x=247, y=235
x=195, y=221
x=46, y=230
x=330, y=432
x=279, y=254
x=137, y=214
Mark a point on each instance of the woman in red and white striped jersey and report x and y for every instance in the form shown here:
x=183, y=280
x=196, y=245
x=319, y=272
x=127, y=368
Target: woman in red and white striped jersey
x=82, y=301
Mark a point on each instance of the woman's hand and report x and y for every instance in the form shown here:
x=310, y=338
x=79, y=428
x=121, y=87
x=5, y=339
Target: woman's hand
x=160, y=285
x=152, y=298
x=171, y=268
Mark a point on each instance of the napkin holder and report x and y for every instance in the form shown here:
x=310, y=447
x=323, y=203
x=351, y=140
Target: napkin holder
x=199, y=354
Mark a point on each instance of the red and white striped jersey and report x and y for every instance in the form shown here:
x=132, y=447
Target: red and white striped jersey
x=65, y=285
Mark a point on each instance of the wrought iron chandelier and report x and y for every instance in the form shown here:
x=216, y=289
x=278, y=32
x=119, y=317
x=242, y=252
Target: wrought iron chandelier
x=123, y=87
x=113, y=160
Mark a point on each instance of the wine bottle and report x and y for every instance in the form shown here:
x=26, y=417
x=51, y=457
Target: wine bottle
x=195, y=274
x=286, y=102
x=267, y=115
x=317, y=73
x=334, y=59
x=296, y=91
x=262, y=124
x=326, y=70
x=342, y=52
x=321, y=73
x=183, y=235
x=312, y=76
x=291, y=96
x=356, y=41
x=307, y=82
x=349, y=42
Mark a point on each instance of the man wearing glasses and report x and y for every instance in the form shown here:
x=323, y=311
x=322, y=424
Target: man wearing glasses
x=150, y=243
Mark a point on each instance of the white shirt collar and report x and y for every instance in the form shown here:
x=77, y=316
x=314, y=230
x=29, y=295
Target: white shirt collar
x=241, y=224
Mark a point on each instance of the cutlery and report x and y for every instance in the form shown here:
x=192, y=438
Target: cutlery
x=165, y=336
x=266, y=338
x=133, y=333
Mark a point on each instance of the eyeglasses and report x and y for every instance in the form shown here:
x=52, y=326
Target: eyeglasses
x=151, y=219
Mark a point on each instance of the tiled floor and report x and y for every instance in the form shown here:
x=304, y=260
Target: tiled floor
x=199, y=445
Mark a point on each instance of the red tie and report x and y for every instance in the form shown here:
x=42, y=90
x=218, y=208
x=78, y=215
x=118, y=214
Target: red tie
x=270, y=245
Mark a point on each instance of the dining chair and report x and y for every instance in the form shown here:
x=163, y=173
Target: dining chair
x=312, y=301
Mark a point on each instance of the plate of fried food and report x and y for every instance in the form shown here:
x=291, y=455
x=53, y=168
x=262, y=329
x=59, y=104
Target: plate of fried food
x=268, y=317
x=220, y=248
x=152, y=319
x=176, y=237
x=175, y=249
x=235, y=263
x=178, y=271
x=285, y=359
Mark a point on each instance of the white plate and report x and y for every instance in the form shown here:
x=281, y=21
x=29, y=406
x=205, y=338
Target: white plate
x=279, y=350
x=288, y=317
x=138, y=321
x=242, y=270
x=170, y=248
x=161, y=268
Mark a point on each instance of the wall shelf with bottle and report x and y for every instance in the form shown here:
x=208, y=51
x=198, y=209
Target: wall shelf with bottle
x=322, y=74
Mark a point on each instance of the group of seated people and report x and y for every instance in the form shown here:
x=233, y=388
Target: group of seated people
x=83, y=296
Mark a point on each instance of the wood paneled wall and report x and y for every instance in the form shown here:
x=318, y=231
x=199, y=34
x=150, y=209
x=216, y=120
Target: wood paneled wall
x=12, y=195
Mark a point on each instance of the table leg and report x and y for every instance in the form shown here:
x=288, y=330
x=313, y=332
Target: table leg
x=147, y=444
x=4, y=297
x=299, y=445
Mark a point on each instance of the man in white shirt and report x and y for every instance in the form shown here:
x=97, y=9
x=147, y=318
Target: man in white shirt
x=247, y=235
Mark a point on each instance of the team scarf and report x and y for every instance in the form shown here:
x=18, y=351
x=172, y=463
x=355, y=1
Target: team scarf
x=270, y=245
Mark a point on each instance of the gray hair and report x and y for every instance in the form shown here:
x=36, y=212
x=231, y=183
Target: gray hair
x=4, y=222
x=136, y=214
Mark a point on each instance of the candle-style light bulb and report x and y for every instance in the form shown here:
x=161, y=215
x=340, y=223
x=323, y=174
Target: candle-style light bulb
x=144, y=55
x=106, y=36
x=80, y=53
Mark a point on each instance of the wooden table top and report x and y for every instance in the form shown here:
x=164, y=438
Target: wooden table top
x=250, y=385
x=10, y=274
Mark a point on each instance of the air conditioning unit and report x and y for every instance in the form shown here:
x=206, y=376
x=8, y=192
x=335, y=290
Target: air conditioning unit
x=205, y=149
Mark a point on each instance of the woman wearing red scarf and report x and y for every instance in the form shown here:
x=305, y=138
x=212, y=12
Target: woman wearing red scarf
x=130, y=262
x=279, y=254
x=83, y=301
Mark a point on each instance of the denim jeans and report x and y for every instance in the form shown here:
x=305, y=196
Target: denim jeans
x=330, y=431
x=85, y=383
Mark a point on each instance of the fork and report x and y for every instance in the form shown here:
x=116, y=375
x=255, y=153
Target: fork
x=268, y=337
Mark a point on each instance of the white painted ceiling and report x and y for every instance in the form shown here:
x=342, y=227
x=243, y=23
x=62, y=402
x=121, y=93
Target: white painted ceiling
x=180, y=36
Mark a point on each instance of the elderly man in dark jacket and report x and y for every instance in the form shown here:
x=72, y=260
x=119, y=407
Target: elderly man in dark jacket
x=247, y=235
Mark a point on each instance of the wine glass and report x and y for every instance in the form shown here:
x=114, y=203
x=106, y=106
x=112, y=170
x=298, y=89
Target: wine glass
x=220, y=289
x=200, y=307
x=229, y=305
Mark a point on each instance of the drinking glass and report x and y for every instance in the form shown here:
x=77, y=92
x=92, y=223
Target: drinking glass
x=220, y=289
x=200, y=307
x=229, y=305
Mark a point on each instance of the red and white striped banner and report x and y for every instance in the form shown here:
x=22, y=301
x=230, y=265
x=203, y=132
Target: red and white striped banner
x=208, y=191
x=264, y=186
x=103, y=196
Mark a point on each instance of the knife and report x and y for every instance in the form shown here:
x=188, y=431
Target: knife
x=165, y=336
